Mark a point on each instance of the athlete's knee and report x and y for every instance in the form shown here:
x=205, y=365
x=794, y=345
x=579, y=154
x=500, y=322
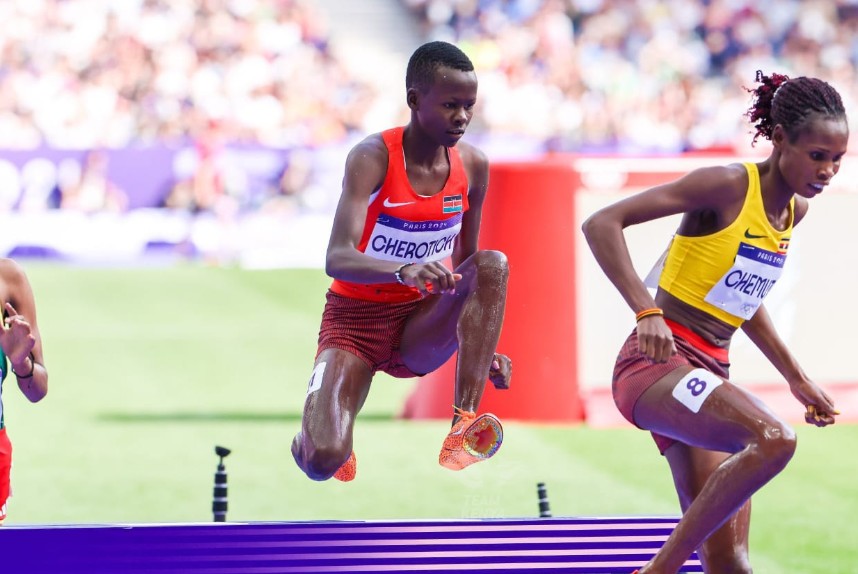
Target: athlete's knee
x=775, y=443
x=492, y=258
x=319, y=462
x=780, y=443
x=324, y=463
x=492, y=265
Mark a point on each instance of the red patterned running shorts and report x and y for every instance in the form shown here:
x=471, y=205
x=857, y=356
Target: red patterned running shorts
x=634, y=372
x=370, y=330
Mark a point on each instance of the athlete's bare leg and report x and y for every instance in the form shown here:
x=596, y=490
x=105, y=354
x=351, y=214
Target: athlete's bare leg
x=729, y=420
x=725, y=551
x=469, y=320
x=334, y=399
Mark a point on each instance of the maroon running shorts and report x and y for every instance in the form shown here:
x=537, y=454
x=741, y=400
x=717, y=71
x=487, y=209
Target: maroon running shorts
x=371, y=330
x=634, y=372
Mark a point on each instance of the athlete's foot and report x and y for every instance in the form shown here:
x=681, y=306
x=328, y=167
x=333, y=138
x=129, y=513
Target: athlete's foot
x=472, y=439
x=348, y=471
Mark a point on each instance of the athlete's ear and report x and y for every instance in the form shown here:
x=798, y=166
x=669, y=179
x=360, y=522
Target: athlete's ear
x=412, y=97
x=778, y=136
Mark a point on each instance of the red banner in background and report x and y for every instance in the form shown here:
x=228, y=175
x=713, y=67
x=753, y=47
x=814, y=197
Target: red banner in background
x=529, y=214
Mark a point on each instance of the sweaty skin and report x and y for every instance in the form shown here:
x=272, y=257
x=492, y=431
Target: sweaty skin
x=734, y=445
x=462, y=308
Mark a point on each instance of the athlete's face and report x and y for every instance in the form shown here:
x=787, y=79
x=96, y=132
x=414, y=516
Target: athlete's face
x=809, y=162
x=446, y=108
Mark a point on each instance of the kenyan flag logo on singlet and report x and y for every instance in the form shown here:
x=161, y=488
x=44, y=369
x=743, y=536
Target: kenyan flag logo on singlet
x=452, y=203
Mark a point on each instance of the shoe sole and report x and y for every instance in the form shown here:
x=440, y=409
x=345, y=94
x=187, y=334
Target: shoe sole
x=471, y=436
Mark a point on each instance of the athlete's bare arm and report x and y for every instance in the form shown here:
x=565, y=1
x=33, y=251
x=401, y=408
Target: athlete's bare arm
x=477, y=167
x=710, y=189
x=366, y=166
x=761, y=331
x=715, y=190
x=20, y=331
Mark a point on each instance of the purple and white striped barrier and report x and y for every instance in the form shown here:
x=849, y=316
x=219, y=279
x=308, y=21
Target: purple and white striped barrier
x=615, y=545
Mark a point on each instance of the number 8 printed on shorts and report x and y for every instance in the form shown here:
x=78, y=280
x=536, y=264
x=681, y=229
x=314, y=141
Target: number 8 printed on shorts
x=693, y=389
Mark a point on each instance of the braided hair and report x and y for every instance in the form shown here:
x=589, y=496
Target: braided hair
x=791, y=103
x=431, y=56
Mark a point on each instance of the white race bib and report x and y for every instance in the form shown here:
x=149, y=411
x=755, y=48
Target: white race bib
x=741, y=290
x=695, y=387
x=316, y=378
x=396, y=239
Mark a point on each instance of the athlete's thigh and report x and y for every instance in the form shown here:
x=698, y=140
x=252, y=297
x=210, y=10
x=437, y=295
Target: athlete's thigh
x=430, y=335
x=691, y=467
x=701, y=409
x=336, y=392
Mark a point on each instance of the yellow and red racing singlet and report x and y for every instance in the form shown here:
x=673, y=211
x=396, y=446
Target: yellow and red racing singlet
x=728, y=273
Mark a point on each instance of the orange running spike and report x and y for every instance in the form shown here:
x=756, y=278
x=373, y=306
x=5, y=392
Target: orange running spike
x=472, y=439
x=347, y=472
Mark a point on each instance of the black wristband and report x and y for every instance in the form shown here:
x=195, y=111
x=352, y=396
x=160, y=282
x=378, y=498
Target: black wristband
x=398, y=272
x=32, y=368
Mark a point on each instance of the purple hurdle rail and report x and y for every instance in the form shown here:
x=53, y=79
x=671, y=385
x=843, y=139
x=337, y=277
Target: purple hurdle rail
x=615, y=545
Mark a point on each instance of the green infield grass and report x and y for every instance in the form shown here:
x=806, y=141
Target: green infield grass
x=151, y=368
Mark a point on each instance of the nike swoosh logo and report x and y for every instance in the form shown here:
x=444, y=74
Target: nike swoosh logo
x=750, y=235
x=388, y=203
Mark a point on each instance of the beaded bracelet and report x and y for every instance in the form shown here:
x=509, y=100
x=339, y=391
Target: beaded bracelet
x=32, y=368
x=648, y=313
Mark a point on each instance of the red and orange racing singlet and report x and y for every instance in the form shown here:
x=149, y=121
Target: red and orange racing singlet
x=405, y=227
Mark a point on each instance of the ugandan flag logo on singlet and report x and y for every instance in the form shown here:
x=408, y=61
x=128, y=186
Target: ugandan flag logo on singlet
x=783, y=245
x=452, y=204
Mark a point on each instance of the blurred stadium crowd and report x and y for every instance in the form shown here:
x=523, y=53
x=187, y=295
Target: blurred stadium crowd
x=581, y=75
x=114, y=73
x=640, y=75
x=205, y=77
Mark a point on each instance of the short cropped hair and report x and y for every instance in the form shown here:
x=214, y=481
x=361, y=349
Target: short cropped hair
x=428, y=58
